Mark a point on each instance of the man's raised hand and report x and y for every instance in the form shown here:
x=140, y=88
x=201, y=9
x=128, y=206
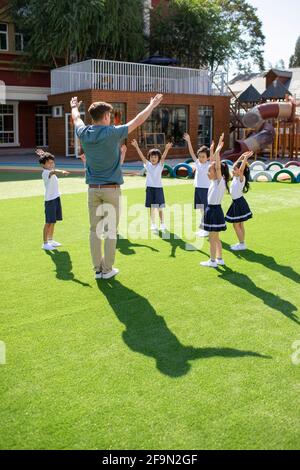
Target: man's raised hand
x=156, y=101
x=74, y=103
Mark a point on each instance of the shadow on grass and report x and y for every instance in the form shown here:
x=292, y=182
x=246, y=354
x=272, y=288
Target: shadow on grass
x=126, y=247
x=177, y=243
x=268, y=298
x=147, y=333
x=64, y=267
x=265, y=260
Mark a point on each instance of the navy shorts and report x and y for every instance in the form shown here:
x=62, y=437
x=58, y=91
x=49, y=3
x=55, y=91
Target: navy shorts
x=53, y=211
x=155, y=197
x=201, y=198
x=214, y=220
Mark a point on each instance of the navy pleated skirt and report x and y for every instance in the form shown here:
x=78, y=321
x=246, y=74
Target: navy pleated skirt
x=239, y=211
x=214, y=220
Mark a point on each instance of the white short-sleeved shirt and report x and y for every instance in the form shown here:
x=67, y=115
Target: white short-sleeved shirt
x=216, y=192
x=51, y=186
x=154, y=175
x=201, y=177
x=237, y=187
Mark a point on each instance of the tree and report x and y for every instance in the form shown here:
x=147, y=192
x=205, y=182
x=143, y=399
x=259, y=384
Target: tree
x=295, y=59
x=75, y=30
x=280, y=65
x=208, y=33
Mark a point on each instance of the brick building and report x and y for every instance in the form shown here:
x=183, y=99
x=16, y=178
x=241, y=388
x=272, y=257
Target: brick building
x=33, y=114
x=24, y=109
x=190, y=103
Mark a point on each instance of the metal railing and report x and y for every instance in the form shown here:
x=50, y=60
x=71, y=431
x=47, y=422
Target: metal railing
x=126, y=76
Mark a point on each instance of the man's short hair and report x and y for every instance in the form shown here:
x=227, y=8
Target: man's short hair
x=46, y=157
x=98, y=109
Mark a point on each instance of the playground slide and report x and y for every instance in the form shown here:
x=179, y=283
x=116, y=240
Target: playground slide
x=263, y=132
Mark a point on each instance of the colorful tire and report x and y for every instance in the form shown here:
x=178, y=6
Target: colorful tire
x=286, y=172
x=261, y=166
x=274, y=164
x=229, y=162
x=262, y=173
x=298, y=178
x=170, y=171
x=181, y=166
x=189, y=160
x=292, y=164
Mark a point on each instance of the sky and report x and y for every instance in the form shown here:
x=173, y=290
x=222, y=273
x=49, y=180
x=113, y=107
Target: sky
x=281, y=26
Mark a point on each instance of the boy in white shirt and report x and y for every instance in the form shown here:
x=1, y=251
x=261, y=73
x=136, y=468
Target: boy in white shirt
x=53, y=210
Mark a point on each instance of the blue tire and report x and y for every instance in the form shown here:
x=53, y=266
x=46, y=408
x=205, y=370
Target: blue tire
x=186, y=166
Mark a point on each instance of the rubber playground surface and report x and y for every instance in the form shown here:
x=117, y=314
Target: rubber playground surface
x=168, y=355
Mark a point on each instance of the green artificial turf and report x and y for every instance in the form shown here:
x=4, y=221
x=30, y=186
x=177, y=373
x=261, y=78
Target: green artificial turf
x=169, y=355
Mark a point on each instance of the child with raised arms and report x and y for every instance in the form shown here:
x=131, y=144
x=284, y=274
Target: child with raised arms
x=214, y=220
x=239, y=211
x=202, y=182
x=155, y=199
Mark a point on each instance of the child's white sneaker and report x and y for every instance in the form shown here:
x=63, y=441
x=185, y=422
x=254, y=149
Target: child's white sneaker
x=114, y=272
x=48, y=247
x=98, y=275
x=163, y=228
x=154, y=228
x=202, y=234
x=220, y=262
x=239, y=247
x=209, y=264
x=54, y=243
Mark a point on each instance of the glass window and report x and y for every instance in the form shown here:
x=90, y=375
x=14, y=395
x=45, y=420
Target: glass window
x=7, y=124
x=119, y=114
x=43, y=112
x=3, y=37
x=171, y=121
x=205, y=125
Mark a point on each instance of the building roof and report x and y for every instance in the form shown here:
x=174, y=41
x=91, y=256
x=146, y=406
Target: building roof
x=251, y=95
x=280, y=73
x=240, y=83
x=275, y=91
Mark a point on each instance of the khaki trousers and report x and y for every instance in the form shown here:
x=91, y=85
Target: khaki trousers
x=104, y=212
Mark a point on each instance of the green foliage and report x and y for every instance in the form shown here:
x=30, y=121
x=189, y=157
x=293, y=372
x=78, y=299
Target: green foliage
x=295, y=59
x=208, y=33
x=74, y=30
x=167, y=356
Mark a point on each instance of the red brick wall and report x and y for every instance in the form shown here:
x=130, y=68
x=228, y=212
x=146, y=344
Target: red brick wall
x=27, y=124
x=132, y=100
x=17, y=78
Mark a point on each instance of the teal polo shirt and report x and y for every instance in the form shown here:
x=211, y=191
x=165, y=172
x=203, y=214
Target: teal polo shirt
x=101, y=145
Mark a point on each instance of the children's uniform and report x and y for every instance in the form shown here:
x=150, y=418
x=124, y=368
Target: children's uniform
x=53, y=210
x=239, y=210
x=214, y=220
x=202, y=184
x=154, y=187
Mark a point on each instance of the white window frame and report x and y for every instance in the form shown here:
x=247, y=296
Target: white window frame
x=76, y=139
x=16, y=143
x=22, y=41
x=6, y=34
x=44, y=118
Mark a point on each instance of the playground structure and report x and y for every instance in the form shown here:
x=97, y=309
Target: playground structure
x=270, y=128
